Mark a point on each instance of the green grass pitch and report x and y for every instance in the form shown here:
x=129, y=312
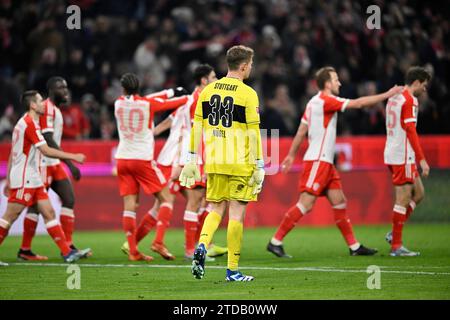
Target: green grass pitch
x=321, y=268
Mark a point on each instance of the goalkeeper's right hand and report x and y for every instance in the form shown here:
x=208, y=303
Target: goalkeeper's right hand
x=190, y=174
x=257, y=178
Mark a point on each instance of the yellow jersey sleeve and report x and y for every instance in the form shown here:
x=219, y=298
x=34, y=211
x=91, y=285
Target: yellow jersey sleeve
x=252, y=108
x=197, y=128
x=252, y=116
x=198, y=115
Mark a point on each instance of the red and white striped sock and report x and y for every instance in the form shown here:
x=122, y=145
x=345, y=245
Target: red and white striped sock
x=67, y=219
x=146, y=225
x=398, y=220
x=29, y=230
x=343, y=223
x=291, y=217
x=56, y=232
x=164, y=216
x=129, y=226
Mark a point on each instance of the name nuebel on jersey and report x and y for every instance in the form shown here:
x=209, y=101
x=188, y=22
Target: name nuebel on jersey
x=226, y=108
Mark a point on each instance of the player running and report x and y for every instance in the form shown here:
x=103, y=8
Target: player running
x=401, y=152
x=228, y=111
x=320, y=177
x=135, y=164
x=170, y=162
x=53, y=174
x=24, y=184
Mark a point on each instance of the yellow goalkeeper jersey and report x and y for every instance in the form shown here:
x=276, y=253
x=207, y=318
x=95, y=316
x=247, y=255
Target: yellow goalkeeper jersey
x=229, y=112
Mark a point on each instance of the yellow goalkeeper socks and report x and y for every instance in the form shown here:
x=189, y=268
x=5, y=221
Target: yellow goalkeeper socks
x=234, y=240
x=210, y=226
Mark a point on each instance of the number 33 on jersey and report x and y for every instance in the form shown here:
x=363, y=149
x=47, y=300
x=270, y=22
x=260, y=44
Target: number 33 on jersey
x=226, y=108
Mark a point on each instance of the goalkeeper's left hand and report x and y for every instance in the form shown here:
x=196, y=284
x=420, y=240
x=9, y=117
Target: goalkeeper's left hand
x=189, y=174
x=257, y=178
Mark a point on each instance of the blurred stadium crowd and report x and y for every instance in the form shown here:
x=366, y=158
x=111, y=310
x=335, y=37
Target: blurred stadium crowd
x=164, y=40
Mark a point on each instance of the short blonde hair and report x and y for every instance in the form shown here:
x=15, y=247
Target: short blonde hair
x=237, y=55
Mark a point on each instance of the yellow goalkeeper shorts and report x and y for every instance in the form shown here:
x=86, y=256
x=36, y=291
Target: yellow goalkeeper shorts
x=221, y=187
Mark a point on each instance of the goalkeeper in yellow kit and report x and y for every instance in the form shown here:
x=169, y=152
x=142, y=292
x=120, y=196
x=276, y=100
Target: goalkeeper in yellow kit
x=227, y=112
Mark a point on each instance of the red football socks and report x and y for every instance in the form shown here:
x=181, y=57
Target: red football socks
x=29, y=230
x=291, y=217
x=343, y=223
x=129, y=226
x=146, y=224
x=164, y=216
x=57, y=234
x=398, y=220
x=67, y=220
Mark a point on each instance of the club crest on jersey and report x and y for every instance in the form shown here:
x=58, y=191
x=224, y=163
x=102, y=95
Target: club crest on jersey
x=316, y=186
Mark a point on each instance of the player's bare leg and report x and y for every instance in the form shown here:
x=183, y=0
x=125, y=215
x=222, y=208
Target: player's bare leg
x=418, y=194
x=147, y=223
x=64, y=189
x=130, y=204
x=304, y=205
x=338, y=201
x=29, y=230
x=11, y=214
x=403, y=197
x=166, y=198
x=55, y=230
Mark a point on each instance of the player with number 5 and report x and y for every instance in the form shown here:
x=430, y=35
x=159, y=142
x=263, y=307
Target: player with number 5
x=401, y=152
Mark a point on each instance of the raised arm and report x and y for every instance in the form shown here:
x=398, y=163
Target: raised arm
x=371, y=100
x=159, y=104
x=168, y=93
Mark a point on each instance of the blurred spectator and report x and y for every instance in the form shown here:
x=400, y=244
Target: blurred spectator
x=91, y=108
x=76, y=73
x=271, y=119
x=7, y=123
x=285, y=107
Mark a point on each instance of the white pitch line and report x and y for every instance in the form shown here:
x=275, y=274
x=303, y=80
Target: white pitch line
x=314, y=269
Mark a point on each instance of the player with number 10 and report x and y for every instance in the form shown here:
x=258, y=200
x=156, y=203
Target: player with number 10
x=135, y=164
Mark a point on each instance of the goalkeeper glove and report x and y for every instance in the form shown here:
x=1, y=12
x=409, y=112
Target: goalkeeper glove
x=176, y=92
x=190, y=172
x=257, y=178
